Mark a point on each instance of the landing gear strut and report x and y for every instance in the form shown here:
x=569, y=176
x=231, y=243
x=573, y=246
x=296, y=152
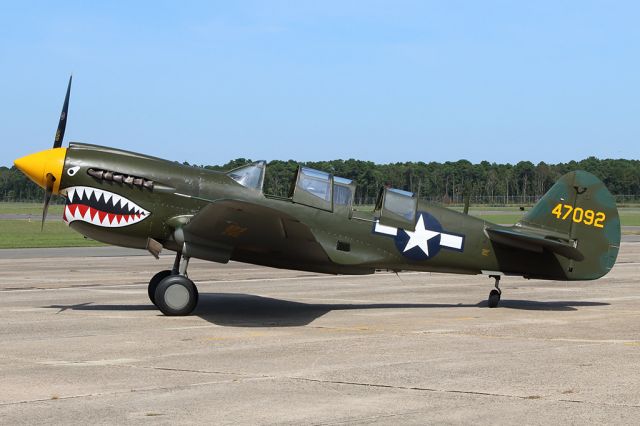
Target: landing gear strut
x=172, y=291
x=494, y=295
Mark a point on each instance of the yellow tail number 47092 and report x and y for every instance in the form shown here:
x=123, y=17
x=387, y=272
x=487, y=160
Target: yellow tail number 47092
x=579, y=215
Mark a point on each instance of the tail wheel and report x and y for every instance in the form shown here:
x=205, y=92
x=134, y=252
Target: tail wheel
x=153, y=284
x=494, y=298
x=176, y=295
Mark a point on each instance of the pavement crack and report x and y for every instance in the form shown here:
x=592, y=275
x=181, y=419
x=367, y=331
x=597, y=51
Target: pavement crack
x=245, y=376
x=113, y=393
x=187, y=370
x=462, y=392
x=249, y=377
x=371, y=419
x=411, y=388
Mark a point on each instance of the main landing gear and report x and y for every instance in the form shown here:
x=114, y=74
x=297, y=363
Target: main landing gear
x=494, y=295
x=172, y=291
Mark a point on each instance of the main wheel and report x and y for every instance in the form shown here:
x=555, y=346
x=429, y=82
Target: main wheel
x=176, y=295
x=153, y=284
x=494, y=298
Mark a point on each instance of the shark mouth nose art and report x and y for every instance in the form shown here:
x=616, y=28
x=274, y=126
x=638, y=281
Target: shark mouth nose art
x=100, y=207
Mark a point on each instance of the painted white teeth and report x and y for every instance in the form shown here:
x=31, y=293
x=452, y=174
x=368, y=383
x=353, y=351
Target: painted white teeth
x=115, y=199
x=71, y=192
x=67, y=214
x=79, y=195
x=96, y=220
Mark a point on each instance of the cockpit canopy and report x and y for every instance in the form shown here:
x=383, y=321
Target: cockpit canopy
x=312, y=187
x=322, y=190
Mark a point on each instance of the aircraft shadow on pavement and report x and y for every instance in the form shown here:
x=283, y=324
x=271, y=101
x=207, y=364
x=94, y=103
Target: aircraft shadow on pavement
x=247, y=310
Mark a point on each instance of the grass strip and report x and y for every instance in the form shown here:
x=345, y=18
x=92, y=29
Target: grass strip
x=25, y=234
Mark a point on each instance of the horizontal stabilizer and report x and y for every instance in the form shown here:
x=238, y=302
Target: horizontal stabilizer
x=533, y=242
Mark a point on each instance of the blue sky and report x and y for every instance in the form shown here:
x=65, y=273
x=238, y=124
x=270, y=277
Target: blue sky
x=207, y=82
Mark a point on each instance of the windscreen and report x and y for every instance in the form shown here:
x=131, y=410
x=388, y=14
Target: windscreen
x=250, y=176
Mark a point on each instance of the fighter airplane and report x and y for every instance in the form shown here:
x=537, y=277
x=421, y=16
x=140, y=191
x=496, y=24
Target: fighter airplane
x=134, y=200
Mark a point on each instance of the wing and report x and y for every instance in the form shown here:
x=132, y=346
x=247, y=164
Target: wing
x=520, y=238
x=248, y=232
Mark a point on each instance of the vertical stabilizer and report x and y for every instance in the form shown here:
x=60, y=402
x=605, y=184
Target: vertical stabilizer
x=579, y=208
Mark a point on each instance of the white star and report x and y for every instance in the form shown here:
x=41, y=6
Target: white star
x=420, y=237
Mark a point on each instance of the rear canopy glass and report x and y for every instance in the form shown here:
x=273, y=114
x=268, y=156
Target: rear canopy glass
x=401, y=203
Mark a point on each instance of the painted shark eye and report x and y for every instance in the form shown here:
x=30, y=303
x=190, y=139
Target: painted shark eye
x=73, y=170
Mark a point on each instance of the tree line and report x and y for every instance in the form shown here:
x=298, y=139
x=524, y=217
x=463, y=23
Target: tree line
x=449, y=181
x=444, y=182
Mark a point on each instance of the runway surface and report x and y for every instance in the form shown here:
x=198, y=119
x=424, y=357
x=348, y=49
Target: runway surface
x=81, y=344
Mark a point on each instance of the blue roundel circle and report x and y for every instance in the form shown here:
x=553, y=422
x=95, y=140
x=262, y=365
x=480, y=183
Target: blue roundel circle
x=421, y=239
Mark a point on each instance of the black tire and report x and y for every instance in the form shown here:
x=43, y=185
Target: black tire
x=494, y=298
x=153, y=284
x=176, y=295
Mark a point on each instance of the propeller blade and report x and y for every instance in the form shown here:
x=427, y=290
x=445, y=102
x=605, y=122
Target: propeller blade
x=47, y=198
x=62, y=125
